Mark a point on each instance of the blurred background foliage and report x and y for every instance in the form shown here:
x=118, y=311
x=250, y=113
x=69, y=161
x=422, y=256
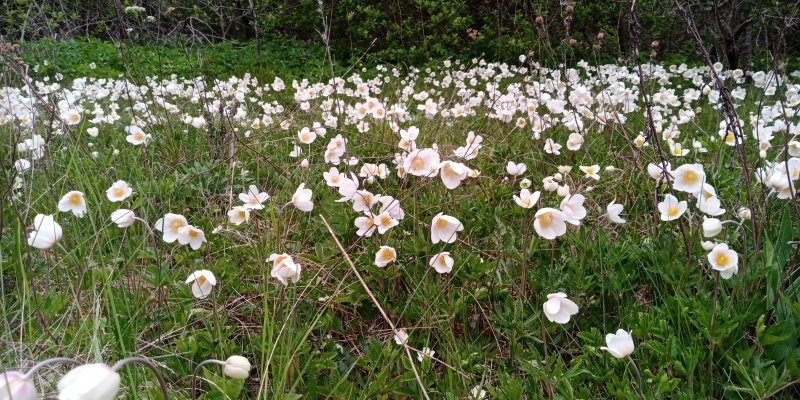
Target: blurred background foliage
x=740, y=32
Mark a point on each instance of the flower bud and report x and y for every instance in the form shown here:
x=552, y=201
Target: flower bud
x=744, y=213
x=563, y=191
x=304, y=163
x=711, y=227
x=237, y=367
x=13, y=386
x=89, y=382
x=525, y=183
x=707, y=245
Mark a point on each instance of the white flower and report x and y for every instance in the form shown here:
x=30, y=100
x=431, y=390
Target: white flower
x=724, y=260
x=238, y=215
x=22, y=165
x=170, y=226
x=302, y=198
x=591, y=171
x=620, y=345
x=425, y=353
x=452, y=173
x=202, y=281
x=123, y=217
x=711, y=227
x=384, y=256
x=400, y=337
x=237, y=367
x=46, y=232
x=73, y=201
x=192, y=236
x=306, y=136
x=550, y=223
x=743, y=214
x=136, y=135
x=89, y=382
x=558, y=308
x=442, y=262
x=119, y=191
x=444, y=228
x=384, y=221
x=284, y=269
x=93, y=131
x=671, y=209
x=422, y=162
x=526, y=199
x=689, y=178
x=525, y=183
x=253, y=198
x=659, y=171
x=515, y=169
x=613, y=210
x=71, y=117
x=13, y=386
x=477, y=393
x=573, y=209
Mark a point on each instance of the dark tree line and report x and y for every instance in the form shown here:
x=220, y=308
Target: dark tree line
x=741, y=31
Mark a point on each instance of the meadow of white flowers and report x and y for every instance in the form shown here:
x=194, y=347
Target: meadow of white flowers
x=449, y=191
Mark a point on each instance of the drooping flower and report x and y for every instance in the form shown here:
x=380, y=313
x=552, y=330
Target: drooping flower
x=711, y=227
x=46, y=232
x=237, y=367
x=558, y=308
x=444, y=228
x=613, y=210
x=202, y=281
x=14, y=386
x=89, y=382
x=302, y=198
x=74, y=202
x=123, y=217
x=620, y=345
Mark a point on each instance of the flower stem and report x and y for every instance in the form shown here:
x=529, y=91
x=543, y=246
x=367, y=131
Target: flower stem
x=197, y=369
x=638, y=387
x=48, y=362
x=149, y=365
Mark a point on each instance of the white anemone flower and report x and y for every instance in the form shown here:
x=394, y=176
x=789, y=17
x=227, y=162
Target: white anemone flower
x=89, y=382
x=73, y=201
x=123, y=217
x=302, y=198
x=613, y=210
x=526, y=199
x=385, y=255
x=444, y=228
x=558, y=308
x=119, y=191
x=671, y=209
x=202, y=281
x=550, y=223
x=284, y=268
x=442, y=262
x=724, y=260
x=170, y=226
x=46, y=232
x=239, y=215
x=619, y=344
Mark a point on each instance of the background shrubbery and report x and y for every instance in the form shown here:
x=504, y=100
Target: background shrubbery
x=412, y=31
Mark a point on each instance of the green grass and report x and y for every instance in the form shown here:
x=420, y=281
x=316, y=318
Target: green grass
x=115, y=293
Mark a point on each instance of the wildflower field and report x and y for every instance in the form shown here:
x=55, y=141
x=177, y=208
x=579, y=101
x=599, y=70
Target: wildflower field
x=458, y=230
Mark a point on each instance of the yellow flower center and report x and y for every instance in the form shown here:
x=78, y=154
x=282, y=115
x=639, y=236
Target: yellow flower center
x=672, y=211
x=138, y=136
x=721, y=259
x=176, y=224
x=545, y=220
x=193, y=233
x=690, y=177
x=118, y=192
x=75, y=117
x=305, y=137
x=75, y=199
x=441, y=223
x=526, y=202
x=387, y=254
x=242, y=214
x=201, y=280
x=385, y=220
x=418, y=163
